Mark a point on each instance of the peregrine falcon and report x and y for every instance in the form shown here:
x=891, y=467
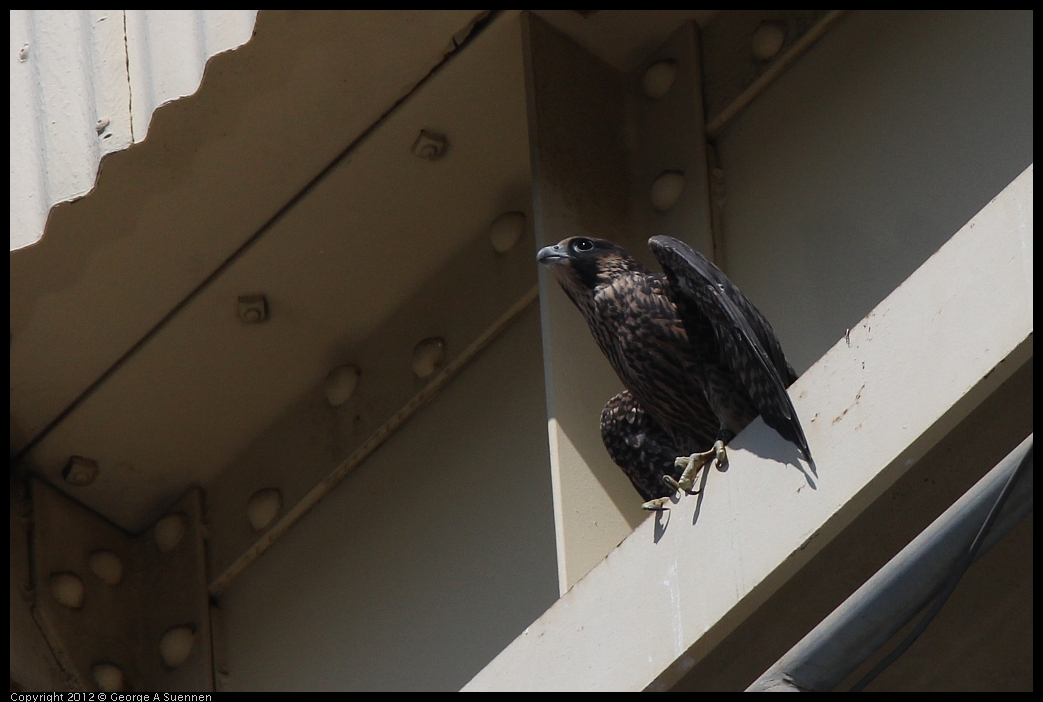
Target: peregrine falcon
x=698, y=360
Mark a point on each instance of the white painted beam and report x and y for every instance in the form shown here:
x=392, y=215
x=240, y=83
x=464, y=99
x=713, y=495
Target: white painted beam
x=579, y=187
x=871, y=407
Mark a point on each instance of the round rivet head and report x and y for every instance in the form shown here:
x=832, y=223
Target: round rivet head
x=340, y=384
x=176, y=644
x=108, y=677
x=169, y=531
x=67, y=588
x=767, y=40
x=505, y=231
x=262, y=507
x=107, y=566
x=659, y=78
x=427, y=355
x=666, y=190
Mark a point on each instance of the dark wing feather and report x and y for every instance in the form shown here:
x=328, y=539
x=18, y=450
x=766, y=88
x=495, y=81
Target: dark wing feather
x=638, y=445
x=746, y=343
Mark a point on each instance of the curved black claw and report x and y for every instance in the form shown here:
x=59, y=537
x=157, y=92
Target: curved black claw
x=672, y=484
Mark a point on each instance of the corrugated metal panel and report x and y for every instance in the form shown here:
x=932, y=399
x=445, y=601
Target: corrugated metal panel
x=85, y=83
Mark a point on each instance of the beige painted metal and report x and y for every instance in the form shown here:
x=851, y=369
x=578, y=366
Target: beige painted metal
x=32, y=661
x=338, y=263
x=624, y=39
x=668, y=135
x=217, y=164
x=359, y=454
x=876, y=402
x=309, y=447
x=579, y=186
x=797, y=41
x=424, y=562
x=122, y=622
x=865, y=156
x=84, y=83
x=582, y=186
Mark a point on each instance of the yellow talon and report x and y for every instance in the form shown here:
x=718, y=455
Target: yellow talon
x=656, y=505
x=694, y=463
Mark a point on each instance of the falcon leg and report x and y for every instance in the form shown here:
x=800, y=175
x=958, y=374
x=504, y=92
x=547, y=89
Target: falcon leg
x=693, y=464
x=656, y=505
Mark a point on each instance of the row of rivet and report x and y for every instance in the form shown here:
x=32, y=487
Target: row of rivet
x=262, y=507
x=427, y=356
x=68, y=589
x=668, y=185
x=657, y=81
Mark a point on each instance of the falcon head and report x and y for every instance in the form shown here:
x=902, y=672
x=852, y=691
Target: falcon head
x=583, y=265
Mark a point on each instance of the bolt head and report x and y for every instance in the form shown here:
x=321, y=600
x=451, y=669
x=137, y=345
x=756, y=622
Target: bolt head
x=505, y=231
x=427, y=355
x=176, y=645
x=68, y=589
x=262, y=507
x=252, y=309
x=767, y=40
x=340, y=384
x=666, y=190
x=80, y=471
x=109, y=677
x=659, y=77
x=107, y=566
x=430, y=145
x=169, y=531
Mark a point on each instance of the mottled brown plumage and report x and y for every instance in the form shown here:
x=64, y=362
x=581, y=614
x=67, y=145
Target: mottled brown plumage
x=699, y=361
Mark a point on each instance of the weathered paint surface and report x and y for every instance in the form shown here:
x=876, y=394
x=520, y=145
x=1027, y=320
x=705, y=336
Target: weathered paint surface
x=876, y=402
x=84, y=83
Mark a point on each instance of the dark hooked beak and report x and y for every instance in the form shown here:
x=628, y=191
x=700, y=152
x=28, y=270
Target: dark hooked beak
x=551, y=254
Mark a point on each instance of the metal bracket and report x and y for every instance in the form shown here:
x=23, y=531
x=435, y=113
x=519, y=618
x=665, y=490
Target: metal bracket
x=621, y=157
x=122, y=612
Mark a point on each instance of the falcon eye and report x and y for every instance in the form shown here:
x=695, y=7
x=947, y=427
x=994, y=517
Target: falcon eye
x=582, y=245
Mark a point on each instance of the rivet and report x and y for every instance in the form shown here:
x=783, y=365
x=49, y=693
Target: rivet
x=108, y=677
x=169, y=531
x=262, y=507
x=767, y=40
x=252, y=309
x=106, y=565
x=427, y=355
x=430, y=145
x=101, y=125
x=176, y=644
x=340, y=384
x=659, y=77
x=80, y=471
x=23, y=53
x=67, y=588
x=666, y=190
x=505, y=231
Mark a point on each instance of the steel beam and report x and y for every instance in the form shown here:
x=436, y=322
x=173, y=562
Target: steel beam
x=910, y=581
x=871, y=407
x=121, y=612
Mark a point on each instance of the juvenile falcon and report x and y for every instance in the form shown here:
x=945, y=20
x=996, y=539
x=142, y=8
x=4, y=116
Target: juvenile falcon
x=698, y=360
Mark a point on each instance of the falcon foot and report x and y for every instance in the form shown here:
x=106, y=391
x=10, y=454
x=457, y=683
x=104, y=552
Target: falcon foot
x=656, y=505
x=693, y=464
